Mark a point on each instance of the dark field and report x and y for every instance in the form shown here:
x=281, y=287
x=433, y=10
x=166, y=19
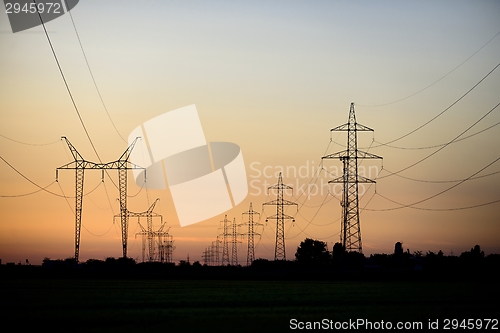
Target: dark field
x=114, y=305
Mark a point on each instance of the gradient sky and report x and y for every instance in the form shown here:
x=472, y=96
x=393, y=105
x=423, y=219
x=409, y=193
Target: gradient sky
x=273, y=77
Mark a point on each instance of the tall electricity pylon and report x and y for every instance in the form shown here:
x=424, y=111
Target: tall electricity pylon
x=280, y=217
x=350, y=235
x=225, y=246
x=250, y=234
x=79, y=165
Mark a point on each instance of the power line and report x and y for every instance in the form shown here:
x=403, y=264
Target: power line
x=26, y=194
x=73, y=101
x=67, y=86
x=442, y=112
x=380, y=144
x=439, y=145
x=307, y=235
x=438, y=150
x=29, y=180
x=430, y=85
x=73, y=212
x=442, y=181
x=29, y=144
x=317, y=212
x=432, y=209
x=91, y=74
x=435, y=195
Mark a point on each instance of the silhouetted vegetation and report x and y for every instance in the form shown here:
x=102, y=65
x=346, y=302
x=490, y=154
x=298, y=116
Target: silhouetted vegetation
x=118, y=294
x=312, y=256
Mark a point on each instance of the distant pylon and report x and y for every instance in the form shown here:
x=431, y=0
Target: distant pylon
x=234, y=244
x=79, y=165
x=225, y=246
x=206, y=257
x=147, y=232
x=250, y=234
x=350, y=233
x=213, y=252
x=165, y=245
x=217, y=251
x=280, y=217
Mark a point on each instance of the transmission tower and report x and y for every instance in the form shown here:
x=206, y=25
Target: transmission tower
x=146, y=232
x=251, y=233
x=217, y=251
x=79, y=165
x=206, y=257
x=234, y=243
x=280, y=217
x=165, y=244
x=160, y=242
x=213, y=255
x=350, y=235
x=225, y=246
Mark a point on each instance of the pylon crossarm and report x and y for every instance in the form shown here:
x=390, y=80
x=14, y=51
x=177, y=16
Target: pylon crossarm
x=122, y=165
x=366, y=155
x=280, y=202
x=351, y=179
x=278, y=217
x=74, y=152
x=339, y=154
x=251, y=212
x=152, y=207
x=80, y=164
x=143, y=214
x=162, y=226
x=362, y=179
x=346, y=154
x=337, y=180
x=126, y=154
x=280, y=187
x=345, y=127
x=142, y=228
x=142, y=233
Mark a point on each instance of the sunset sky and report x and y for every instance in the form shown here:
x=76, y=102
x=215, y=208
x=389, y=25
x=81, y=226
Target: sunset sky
x=273, y=77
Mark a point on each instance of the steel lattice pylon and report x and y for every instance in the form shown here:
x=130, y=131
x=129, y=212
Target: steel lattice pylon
x=217, y=251
x=234, y=243
x=250, y=234
x=79, y=165
x=225, y=246
x=350, y=234
x=145, y=232
x=280, y=217
x=78, y=209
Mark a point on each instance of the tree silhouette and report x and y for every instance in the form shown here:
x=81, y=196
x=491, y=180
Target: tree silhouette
x=312, y=253
x=338, y=250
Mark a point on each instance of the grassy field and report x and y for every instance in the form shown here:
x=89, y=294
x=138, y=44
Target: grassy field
x=88, y=305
